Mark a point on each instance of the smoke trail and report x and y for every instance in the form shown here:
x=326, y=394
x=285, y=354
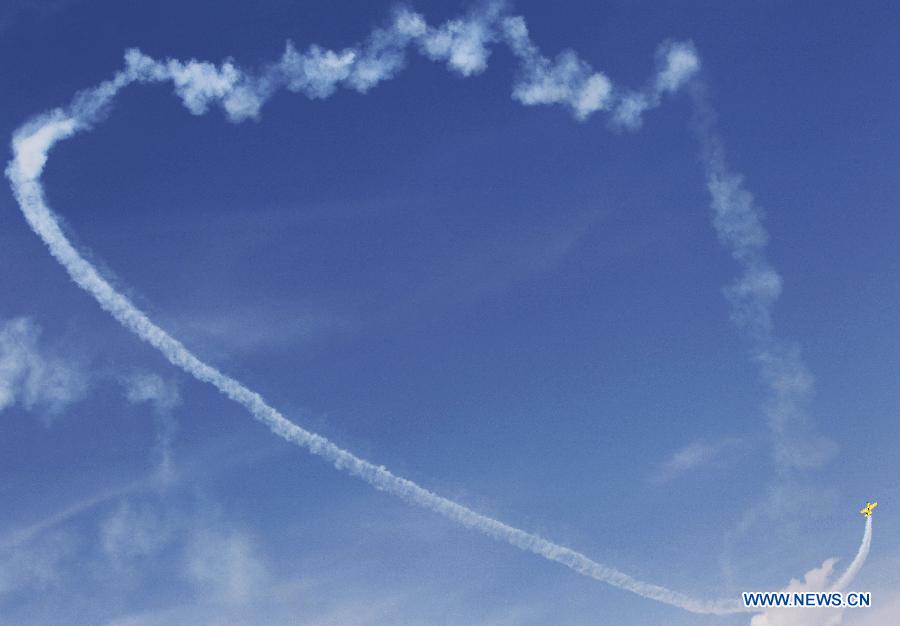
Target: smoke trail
x=30, y=196
x=856, y=565
x=462, y=44
x=738, y=222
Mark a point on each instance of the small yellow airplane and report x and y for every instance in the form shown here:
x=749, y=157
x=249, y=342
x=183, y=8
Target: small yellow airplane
x=867, y=510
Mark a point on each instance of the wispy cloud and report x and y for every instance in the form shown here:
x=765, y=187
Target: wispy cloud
x=24, y=535
x=133, y=531
x=221, y=562
x=164, y=396
x=693, y=456
x=250, y=328
x=31, y=375
x=37, y=565
x=131, y=534
x=39, y=379
x=225, y=565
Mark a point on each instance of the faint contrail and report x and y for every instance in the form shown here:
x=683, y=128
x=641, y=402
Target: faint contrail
x=462, y=44
x=22, y=536
x=856, y=565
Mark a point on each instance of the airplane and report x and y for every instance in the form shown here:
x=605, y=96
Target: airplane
x=867, y=510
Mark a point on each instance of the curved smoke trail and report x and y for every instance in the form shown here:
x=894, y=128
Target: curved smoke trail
x=29, y=193
x=856, y=565
x=464, y=45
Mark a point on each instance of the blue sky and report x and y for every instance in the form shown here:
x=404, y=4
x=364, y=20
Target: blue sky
x=519, y=310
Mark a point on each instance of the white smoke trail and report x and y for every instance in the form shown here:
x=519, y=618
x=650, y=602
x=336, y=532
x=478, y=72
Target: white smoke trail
x=462, y=44
x=738, y=222
x=30, y=196
x=853, y=569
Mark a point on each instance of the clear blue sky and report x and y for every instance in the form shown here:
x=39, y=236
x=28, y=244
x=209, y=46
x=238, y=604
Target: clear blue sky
x=518, y=310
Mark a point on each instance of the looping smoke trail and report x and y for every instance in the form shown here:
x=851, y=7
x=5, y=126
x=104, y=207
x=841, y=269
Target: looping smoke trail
x=853, y=569
x=462, y=44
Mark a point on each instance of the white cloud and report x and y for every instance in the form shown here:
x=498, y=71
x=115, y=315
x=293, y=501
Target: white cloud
x=34, y=566
x=132, y=532
x=692, y=456
x=30, y=375
x=251, y=328
x=816, y=579
x=224, y=564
